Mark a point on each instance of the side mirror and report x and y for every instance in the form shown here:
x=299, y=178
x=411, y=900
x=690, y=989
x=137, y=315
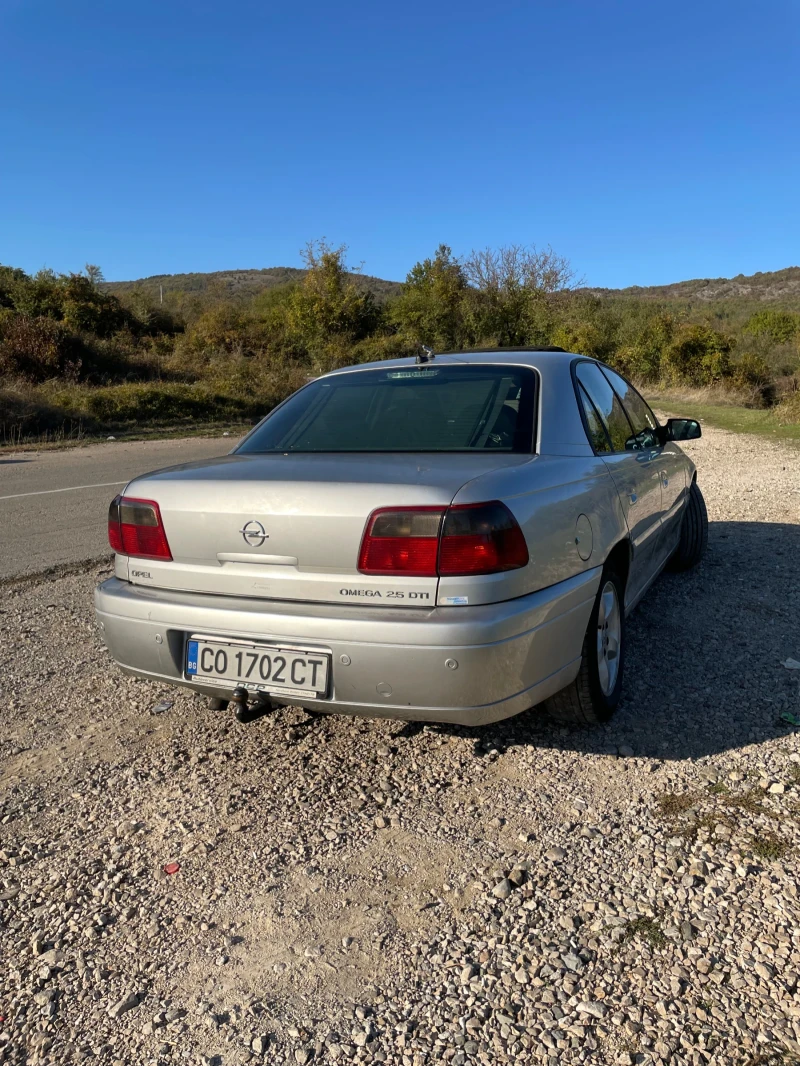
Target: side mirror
x=682, y=429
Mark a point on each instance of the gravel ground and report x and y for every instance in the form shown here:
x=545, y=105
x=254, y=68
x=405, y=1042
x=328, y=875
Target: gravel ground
x=359, y=891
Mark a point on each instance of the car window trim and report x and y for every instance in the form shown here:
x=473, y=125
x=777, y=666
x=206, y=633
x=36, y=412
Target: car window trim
x=535, y=411
x=576, y=383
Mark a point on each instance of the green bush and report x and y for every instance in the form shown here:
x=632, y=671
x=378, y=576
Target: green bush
x=697, y=356
x=224, y=328
x=587, y=325
x=36, y=349
x=149, y=403
x=583, y=337
x=750, y=373
x=779, y=326
x=788, y=410
x=26, y=410
x=642, y=344
x=169, y=403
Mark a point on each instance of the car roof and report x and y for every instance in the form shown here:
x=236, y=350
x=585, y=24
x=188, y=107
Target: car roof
x=540, y=358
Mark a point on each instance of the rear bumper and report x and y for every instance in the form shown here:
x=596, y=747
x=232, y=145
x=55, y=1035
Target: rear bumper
x=510, y=655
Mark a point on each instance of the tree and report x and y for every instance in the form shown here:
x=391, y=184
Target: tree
x=515, y=266
x=511, y=288
x=432, y=308
x=86, y=308
x=94, y=274
x=328, y=307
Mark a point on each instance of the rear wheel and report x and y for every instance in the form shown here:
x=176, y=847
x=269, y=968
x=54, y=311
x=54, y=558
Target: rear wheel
x=594, y=694
x=694, y=532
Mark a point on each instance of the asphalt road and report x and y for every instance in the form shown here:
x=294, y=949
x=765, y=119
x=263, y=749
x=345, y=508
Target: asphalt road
x=54, y=504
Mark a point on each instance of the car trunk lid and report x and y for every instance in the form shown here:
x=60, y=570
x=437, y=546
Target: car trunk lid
x=289, y=527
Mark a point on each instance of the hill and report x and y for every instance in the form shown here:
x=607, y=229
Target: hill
x=241, y=284
x=731, y=299
x=774, y=286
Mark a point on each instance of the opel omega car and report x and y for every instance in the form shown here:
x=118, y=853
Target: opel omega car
x=455, y=538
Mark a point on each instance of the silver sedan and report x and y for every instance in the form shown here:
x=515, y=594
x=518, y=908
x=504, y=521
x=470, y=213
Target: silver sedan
x=455, y=538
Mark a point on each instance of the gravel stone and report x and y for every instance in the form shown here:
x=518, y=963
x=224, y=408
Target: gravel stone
x=123, y=1005
x=597, y=1010
x=555, y=854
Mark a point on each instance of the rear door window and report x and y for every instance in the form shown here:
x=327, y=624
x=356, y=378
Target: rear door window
x=424, y=408
x=607, y=404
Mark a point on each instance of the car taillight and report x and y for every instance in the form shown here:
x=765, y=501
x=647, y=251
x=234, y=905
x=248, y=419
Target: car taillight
x=135, y=528
x=401, y=541
x=114, y=531
x=479, y=538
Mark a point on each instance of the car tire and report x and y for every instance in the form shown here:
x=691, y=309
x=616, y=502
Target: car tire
x=694, y=532
x=593, y=696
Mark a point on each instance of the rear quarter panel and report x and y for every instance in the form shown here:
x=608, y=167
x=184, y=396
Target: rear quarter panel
x=547, y=496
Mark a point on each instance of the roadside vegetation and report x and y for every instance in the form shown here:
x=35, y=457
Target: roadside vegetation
x=723, y=410
x=81, y=358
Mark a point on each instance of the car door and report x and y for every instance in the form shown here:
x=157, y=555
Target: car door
x=633, y=460
x=671, y=460
x=674, y=488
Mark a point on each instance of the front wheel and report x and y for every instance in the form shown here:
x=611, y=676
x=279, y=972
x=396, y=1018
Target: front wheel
x=694, y=532
x=594, y=694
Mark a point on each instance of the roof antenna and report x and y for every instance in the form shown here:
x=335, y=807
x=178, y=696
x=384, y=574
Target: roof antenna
x=426, y=355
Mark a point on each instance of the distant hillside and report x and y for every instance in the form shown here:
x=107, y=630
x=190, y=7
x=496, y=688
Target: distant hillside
x=781, y=286
x=776, y=285
x=237, y=283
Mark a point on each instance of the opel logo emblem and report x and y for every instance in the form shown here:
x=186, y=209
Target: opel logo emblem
x=254, y=534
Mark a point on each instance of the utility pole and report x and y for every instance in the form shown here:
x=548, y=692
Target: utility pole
x=161, y=291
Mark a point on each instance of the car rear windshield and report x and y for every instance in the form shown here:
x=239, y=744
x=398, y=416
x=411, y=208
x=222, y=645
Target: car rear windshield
x=405, y=409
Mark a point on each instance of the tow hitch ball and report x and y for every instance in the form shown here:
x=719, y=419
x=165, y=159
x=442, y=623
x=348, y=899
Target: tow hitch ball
x=244, y=711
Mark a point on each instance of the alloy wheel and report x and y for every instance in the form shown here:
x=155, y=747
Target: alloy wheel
x=609, y=635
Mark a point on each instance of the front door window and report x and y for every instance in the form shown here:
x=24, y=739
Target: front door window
x=639, y=414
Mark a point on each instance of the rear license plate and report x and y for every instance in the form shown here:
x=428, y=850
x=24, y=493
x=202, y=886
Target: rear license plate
x=258, y=667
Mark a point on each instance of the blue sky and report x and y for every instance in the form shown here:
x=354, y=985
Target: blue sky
x=647, y=142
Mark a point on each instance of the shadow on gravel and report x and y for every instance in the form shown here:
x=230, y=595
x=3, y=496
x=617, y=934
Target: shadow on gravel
x=703, y=673
x=7, y=462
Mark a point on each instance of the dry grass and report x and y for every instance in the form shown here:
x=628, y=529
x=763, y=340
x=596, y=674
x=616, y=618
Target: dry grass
x=788, y=410
x=707, y=395
x=749, y=801
x=767, y=846
x=770, y=847
x=646, y=928
x=673, y=804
